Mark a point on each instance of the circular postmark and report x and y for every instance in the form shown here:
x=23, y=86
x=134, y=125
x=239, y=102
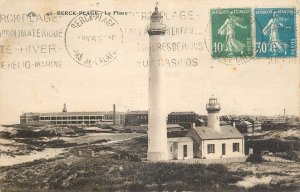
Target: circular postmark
x=219, y=49
x=93, y=40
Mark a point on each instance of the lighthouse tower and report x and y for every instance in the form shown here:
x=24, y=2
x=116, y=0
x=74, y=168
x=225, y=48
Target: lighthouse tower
x=157, y=129
x=213, y=108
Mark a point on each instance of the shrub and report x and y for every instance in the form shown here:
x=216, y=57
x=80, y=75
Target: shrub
x=123, y=155
x=5, y=135
x=218, y=168
x=179, y=177
x=136, y=187
x=293, y=155
x=254, y=158
x=272, y=145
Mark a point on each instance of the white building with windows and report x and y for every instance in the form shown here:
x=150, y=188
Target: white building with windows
x=180, y=148
x=212, y=144
x=215, y=141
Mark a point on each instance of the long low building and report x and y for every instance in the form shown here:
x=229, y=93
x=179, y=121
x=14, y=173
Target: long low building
x=184, y=119
x=136, y=118
x=274, y=120
x=73, y=118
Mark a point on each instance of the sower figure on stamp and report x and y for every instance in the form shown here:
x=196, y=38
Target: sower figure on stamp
x=271, y=29
x=228, y=29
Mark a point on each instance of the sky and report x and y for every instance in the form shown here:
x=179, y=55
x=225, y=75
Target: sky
x=257, y=87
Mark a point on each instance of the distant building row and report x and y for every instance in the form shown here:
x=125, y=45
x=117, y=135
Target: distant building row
x=184, y=119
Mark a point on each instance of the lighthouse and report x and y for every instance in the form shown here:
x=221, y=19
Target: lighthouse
x=157, y=129
x=213, y=108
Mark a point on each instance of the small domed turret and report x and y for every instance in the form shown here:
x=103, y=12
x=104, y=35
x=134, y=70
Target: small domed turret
x=156, y=16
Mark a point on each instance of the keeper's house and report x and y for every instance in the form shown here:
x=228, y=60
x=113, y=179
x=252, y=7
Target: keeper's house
x=214, y=141
x=212, y=144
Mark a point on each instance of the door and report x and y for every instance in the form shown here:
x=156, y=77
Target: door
x=176, y=151
x=223, y=149
x=184, y=151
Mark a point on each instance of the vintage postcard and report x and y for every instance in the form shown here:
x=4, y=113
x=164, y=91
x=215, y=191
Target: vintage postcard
x=128, y=95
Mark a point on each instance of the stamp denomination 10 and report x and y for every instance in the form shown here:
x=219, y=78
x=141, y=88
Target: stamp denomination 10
x=231, y=33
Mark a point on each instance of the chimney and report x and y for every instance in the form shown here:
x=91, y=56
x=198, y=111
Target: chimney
x=193, y=125
x=114, y=114
x=65, y=108
x=233, y=123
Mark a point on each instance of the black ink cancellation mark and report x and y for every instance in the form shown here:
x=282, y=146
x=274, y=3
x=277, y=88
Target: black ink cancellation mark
x=93, y=40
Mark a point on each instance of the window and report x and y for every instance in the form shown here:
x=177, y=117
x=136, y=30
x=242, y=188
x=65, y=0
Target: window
x=223, y=149
x=211, y=148
x=236, y=147
x=184, y=150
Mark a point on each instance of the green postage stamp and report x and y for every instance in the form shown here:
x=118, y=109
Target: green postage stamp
x=231, y=33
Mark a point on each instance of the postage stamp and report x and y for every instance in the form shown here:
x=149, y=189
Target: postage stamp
x=93, y=40
x=275, y=32
x=231, y=33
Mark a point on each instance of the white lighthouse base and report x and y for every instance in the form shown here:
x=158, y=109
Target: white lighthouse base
x=157, y=156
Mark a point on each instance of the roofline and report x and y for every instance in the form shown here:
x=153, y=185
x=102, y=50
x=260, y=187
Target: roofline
x=179, y=141
x=183, y=112
x=224, y=138
x=75, y=113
